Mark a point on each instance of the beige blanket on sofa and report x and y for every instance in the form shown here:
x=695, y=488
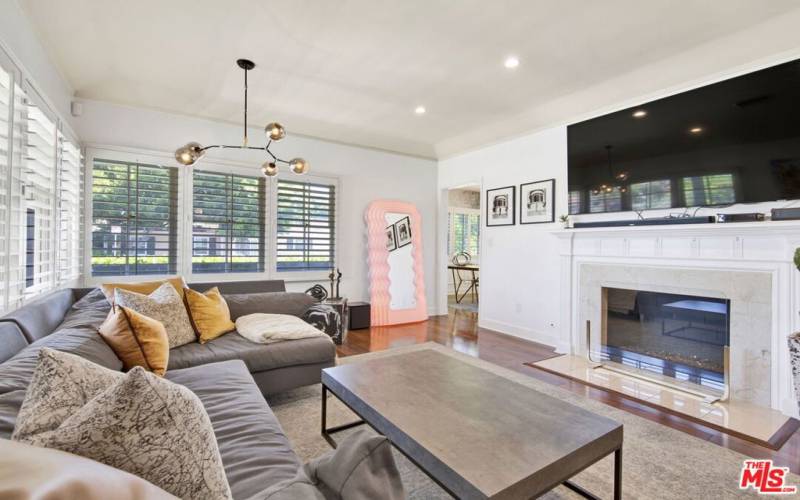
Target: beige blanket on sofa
x=265, y=328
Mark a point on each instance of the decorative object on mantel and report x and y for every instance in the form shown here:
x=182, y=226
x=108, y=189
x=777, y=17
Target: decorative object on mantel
x=564, y=220
x=318, y=292
x=500, y=206
x=190, y=153
x=462, y=258
x=537, y=203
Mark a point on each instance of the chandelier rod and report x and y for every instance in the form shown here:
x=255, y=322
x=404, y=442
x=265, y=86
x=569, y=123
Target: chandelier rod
x=245, y=106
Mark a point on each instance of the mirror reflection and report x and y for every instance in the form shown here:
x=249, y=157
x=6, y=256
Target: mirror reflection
x=402, y=289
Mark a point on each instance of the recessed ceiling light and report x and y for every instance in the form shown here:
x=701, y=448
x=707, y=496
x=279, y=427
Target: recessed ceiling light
x=420, y=110
x=696, y=130
x=511, y=62
x=639, y=113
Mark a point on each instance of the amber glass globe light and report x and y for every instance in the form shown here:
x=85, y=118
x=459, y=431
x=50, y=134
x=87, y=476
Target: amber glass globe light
x=299, y=166
x=269, y=168
x=275, y=131
x=189, y=154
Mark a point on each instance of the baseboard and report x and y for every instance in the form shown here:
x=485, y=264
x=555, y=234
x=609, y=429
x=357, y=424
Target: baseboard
x=524, y=333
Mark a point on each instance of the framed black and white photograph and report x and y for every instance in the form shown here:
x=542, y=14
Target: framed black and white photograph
x=500, y=206
x=391, y=239
x=403, y=230
x=537, y=202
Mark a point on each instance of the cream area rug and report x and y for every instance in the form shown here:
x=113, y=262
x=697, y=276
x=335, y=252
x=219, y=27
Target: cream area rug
x=658, y=462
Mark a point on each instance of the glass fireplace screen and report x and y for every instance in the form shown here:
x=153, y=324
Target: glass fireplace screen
x=680, y=336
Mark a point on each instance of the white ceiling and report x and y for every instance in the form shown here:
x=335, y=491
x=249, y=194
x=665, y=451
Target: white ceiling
x=354, y=70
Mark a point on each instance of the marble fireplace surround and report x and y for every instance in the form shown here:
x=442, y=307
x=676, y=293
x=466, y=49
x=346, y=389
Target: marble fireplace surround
x=748, y=263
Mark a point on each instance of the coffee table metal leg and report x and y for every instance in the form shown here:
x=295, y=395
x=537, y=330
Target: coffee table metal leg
x=617, y=480
x=618, y=474
x=324, y=430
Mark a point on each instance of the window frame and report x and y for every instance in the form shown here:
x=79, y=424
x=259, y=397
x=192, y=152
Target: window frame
x=185, y=216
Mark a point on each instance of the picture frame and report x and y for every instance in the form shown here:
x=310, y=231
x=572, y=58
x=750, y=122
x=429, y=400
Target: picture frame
x=537, y=202
x=402, y=230
x=501, y=206
x=391, y=239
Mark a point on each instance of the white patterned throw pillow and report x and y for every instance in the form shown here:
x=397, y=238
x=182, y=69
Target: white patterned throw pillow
x=62, y=383
x=164, y=305
x=152, y=428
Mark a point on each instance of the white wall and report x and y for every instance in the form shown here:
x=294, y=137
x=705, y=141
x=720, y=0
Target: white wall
x=19, y=40
x=364, y=174
x=519, y=291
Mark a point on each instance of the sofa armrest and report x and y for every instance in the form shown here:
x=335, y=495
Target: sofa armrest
x=326, y=318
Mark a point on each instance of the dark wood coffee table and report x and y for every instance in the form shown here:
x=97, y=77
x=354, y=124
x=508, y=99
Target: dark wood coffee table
x=475, y=433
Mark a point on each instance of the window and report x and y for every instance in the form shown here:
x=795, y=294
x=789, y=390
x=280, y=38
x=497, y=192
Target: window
x=651, y=194
x=305, y=226
x=228, y=228
x=709, y=190
x=605, y=202
x=464, y=232
x=134, y=219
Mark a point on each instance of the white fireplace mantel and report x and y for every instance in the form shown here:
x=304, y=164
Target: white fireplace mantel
x=749, y=246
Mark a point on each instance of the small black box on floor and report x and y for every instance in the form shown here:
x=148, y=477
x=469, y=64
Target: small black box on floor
x=359, y=315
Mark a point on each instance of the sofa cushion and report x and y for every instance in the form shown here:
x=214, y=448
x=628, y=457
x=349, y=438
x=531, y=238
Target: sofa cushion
x=209, y=313
x=61, y=385
x=270, y=302
x=150, y=427
x=255, y=451
x=258, y=357
x=12, y=340
x=40, y=317
x=165, y=305
x=137, y=340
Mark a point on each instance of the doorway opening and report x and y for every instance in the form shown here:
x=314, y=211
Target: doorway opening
x=463, y=248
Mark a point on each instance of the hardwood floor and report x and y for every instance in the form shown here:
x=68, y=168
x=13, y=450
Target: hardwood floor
x=459, y=330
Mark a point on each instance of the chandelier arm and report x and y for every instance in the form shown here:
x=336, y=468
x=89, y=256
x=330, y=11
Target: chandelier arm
x=225, y=146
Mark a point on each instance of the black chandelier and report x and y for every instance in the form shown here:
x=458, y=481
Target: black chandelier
x=190, y=153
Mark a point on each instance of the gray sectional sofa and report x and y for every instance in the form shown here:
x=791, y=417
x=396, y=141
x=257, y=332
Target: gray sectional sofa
x=230, y=374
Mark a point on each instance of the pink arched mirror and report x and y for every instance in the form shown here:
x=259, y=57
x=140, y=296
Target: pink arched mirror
x=394, y=249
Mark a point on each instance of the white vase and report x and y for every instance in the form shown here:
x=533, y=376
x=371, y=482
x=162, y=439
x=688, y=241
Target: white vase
x=794, y=357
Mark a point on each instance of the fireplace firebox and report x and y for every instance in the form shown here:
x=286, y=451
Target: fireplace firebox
x=672, y=335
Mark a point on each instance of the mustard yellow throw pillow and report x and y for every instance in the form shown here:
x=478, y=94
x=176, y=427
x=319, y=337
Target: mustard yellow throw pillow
x=210, y=315
x=143, y=287
x=136, y=339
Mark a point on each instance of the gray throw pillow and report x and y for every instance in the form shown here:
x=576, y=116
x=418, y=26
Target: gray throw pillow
x=360, y=468
x=164, y=305
x=62, y=383
x=152, y=428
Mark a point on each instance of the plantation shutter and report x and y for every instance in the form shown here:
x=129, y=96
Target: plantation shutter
x=229, y=223
x=39, y=195
x=305, y=226
x=15, y=219
x=464, y=233
x=134, y=219
x=69, y=197
x=6, y=133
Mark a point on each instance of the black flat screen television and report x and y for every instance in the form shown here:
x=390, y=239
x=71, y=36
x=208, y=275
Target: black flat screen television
x=736, y=141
